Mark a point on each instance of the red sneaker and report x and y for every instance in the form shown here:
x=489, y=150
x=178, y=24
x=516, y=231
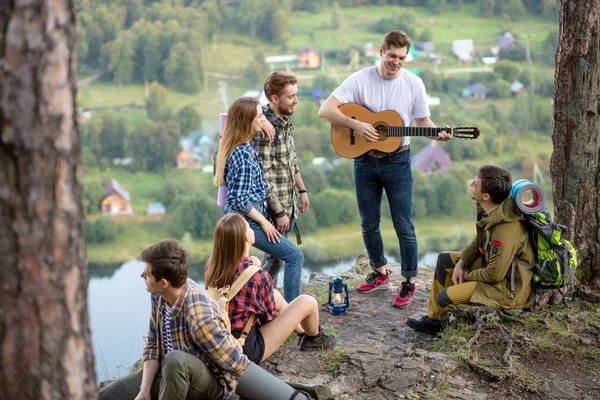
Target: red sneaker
x=375, y=281
x=404, y=298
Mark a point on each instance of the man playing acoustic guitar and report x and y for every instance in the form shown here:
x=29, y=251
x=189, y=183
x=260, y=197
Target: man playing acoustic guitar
x=385, y=87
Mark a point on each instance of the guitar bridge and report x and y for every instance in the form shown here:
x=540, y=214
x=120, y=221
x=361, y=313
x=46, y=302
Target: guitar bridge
x=352, y=135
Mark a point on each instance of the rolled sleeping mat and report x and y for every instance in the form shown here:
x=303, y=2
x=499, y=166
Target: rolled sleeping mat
x=258, y=384
x=537, y=202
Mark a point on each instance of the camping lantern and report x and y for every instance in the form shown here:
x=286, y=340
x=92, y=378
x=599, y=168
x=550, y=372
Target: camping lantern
x=338, y=297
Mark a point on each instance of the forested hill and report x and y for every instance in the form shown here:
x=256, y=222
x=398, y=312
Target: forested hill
x=165, y=40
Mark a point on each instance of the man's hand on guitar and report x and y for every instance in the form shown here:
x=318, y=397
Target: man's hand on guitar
x=366, y=131
x=444, y=136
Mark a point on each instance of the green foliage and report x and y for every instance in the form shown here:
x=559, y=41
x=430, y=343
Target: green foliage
x=189, y=120
x=334, y=207
x=256, y=71
x=549, y=47
x=93, y=193
x=182, y=183
x=313, y=178
x=336, y=16
x=182, y=69
x=486, y=8
x=507, y=70
x=513, y=54
x=197, y=215
x=515, y=10
x=437, y=6
x=154, y=146
x=342, y=176
x=500, y=89
x=156, y=101
x=406, y=23
x=307, y=139
x=426, y=35
x=102, y=230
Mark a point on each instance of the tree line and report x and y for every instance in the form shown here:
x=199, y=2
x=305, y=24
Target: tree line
x=164, y=40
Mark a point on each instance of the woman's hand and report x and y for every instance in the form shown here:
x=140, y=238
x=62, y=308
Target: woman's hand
x=272, y=234
x=254, y=261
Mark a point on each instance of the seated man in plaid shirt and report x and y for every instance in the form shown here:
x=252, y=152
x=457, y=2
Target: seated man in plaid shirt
x=189, y=353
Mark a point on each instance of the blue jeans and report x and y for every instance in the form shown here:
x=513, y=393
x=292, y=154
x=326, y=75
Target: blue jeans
x=393, y=174
x=284, y=250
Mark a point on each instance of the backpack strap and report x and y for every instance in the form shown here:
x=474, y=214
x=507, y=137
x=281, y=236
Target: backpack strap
x=239, y=283
x=246, y=330
x=524, y=263
x=230, y=291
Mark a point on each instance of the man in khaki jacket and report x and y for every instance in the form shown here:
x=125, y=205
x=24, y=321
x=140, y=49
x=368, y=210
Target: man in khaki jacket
x=485, y=272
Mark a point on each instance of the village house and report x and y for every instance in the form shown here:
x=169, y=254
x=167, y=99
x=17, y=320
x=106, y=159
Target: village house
x=187, y=159
x=156, y=209
x=308, y=58
x=464, y=50
x=370, y=50
x=506, y=41
x=475, y=90
x=431, y=158
x=116, y=200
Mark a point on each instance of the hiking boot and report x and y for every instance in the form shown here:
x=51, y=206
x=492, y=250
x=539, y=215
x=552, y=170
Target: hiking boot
x=404, y=298
x=319, y=342
x=300, y=337
x=426, y=324
x=375, y=281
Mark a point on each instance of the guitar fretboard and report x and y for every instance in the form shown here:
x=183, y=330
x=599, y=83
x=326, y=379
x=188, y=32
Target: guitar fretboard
x=412, y=131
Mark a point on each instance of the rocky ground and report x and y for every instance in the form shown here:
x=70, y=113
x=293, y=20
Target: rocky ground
x=381, y=358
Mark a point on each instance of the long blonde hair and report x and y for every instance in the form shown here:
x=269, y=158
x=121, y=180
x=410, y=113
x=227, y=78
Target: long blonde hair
x=238, y=130
x=228, y=250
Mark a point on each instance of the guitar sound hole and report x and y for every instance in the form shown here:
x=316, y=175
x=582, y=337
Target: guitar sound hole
x=382, y=131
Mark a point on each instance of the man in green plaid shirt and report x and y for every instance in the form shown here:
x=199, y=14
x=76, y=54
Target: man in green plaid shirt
x=286, y=194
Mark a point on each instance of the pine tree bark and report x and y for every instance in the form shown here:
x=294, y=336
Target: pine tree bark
x=575, y=162
x=45, y=345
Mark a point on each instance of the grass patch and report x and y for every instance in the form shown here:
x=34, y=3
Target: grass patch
x=330, y=360
x=543, y=344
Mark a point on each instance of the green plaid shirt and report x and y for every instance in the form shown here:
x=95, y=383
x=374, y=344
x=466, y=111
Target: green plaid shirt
x=280, y=164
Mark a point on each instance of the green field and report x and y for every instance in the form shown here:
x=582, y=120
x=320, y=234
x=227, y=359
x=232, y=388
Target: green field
x=457, y=22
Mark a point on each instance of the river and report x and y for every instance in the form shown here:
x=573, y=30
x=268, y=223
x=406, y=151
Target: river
x=119, y=308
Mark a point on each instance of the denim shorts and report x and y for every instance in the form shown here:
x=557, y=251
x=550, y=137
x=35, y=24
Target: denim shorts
x=254, y=347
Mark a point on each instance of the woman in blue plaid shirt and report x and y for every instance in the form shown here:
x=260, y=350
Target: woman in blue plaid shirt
x=239, y=169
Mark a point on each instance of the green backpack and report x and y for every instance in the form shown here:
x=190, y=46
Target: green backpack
x=555, y=258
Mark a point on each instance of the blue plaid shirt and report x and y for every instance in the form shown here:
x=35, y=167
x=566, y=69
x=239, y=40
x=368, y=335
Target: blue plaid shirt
x=244, y=178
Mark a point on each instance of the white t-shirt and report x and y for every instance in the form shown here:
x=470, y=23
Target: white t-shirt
x=406, y=94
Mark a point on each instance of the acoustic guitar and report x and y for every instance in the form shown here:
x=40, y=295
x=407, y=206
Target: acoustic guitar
x=390, y=127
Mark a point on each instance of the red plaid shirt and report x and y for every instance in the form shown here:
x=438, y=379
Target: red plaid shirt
x=256, y=297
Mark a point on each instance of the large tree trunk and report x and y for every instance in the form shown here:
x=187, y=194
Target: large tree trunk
x=575, y=162
x=45, y=345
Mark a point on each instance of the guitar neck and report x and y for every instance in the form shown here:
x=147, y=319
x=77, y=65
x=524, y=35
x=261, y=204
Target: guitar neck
x=412, y=131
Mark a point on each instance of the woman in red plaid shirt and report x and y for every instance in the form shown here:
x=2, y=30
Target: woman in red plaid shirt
x=275, y=318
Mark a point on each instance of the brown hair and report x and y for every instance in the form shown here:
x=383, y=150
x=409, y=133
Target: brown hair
x=228, y=250
x=168, y=260
x=277, y=81
x=496, y=182
x=238, y=130
x=396, y=39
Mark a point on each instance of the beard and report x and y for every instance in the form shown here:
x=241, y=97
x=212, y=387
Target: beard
x=289, y=111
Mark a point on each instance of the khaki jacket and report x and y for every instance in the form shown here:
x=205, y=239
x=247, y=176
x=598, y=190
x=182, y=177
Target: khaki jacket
x=501, y=236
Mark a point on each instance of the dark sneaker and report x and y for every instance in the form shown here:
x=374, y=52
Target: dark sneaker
x=319, y=342
x=375, y=281
x=404, y=298
x=300, y=337
x=426, y=324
